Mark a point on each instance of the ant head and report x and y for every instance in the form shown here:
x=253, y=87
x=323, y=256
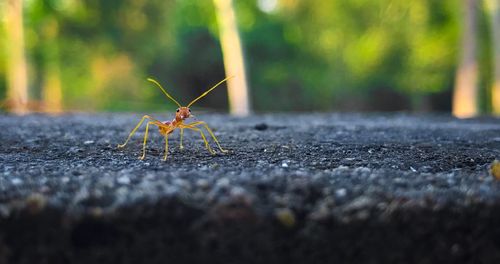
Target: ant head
x=182, y=113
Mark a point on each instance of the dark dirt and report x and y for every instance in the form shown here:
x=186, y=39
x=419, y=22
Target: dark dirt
x=315, y=188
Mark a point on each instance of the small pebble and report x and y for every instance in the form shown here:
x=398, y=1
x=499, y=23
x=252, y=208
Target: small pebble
x=261, y=126
x=237, y=191
x=286, y=217
x=340, y=193
x=202, y=183
x=224, y=182
x=35, y=203
x=16, y=181
x=363, y=214
x=360, y=203
x=96, y=212
x=182, y=183
x=123, y=180
x=495, y=169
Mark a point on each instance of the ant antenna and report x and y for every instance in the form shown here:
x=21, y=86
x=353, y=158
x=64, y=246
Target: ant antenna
x=165, y=92
x=209, y=90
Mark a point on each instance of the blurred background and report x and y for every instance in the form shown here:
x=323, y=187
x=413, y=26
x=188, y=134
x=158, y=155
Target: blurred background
x=287, y=55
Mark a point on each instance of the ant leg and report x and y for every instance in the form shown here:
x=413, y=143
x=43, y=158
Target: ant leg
x=202, y=136
x=213, y=136
x=166, y=147
x=182, y=134
x=134, y=130
x=145, y=141
x=210, y=132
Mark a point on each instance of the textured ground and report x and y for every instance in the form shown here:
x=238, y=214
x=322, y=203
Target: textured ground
x=317, y=188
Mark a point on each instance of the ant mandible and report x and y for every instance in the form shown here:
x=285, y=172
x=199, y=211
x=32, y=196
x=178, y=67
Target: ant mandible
x=167, y=127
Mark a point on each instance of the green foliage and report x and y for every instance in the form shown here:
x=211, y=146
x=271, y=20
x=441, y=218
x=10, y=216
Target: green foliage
x=359, y=46
x=329, y=54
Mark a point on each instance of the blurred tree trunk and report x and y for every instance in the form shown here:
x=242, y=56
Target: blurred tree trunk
x=51, y=88
x=495, y=26
x=465, y=94
x=17, y=80
x=239, y=101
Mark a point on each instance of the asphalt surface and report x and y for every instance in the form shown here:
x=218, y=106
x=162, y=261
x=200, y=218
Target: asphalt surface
x=294, y=188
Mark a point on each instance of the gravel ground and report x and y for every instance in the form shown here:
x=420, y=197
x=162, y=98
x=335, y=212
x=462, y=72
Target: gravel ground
x=304, y=188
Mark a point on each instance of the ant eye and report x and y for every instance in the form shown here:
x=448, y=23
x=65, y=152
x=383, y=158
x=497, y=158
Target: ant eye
x=189, y=110
x=178, y=110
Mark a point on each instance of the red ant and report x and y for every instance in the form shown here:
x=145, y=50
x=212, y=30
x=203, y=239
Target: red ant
x=167, y=127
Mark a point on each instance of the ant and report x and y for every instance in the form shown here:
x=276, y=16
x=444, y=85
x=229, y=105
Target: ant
x=167, y=127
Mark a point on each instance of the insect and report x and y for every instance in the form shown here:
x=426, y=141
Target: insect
x=167, y=127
